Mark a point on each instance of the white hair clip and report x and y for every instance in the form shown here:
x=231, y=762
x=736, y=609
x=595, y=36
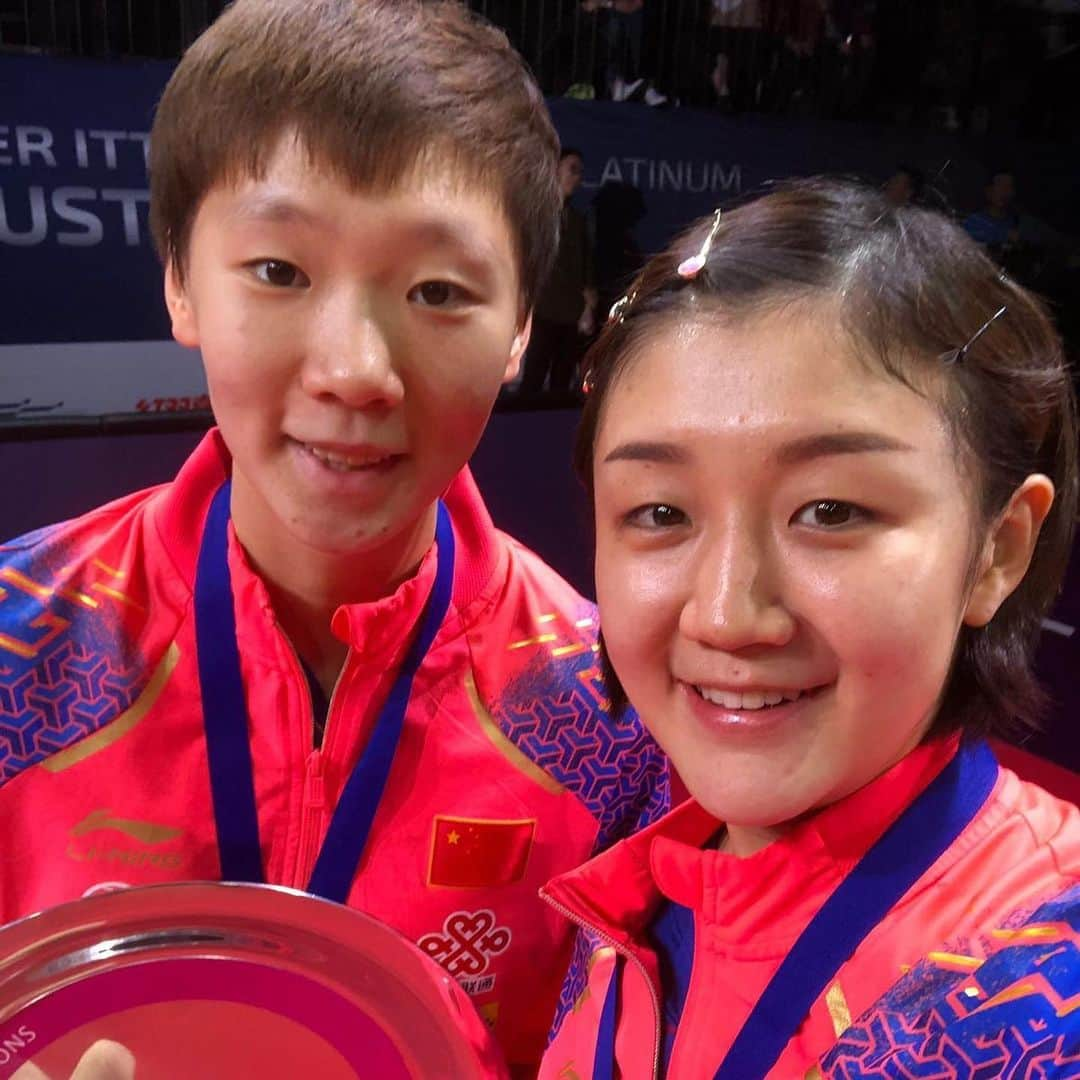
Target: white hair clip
x=691, y=267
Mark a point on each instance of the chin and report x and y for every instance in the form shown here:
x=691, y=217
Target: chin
x=749, y=809
x=334, y=540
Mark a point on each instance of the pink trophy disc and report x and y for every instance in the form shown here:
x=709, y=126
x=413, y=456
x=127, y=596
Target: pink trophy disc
x=224, y=982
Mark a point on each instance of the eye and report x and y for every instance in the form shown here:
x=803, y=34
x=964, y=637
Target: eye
x=830, y=514
x=656, y=516
x=280, y=274
x=438, y=294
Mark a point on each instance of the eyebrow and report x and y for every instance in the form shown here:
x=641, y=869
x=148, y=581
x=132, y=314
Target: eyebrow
x=796, y=452
x=836, y=443
x=660, y=453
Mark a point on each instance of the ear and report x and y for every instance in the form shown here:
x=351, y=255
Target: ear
x=1009, y=547
x=184, y=325
x=517, y=349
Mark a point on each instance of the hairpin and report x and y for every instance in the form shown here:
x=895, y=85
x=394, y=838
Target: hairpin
x=588, y=383
x=962, y=351
x=618, y=309
x=691, y=267
x=688, y=269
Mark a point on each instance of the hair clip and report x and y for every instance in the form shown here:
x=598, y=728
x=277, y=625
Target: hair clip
x=691, y=267
x=618, y=309
x=960, y=353
x=688, y=269
x=588, y=383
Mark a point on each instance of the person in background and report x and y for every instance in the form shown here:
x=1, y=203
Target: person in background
x=621, y=57
x=565, y=312
x=997, y=225
x=737, y=52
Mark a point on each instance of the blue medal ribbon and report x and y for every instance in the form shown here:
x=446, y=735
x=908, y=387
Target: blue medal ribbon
x=225, y=718
x=907, y=849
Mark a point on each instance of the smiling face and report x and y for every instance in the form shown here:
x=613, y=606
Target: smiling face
x=354, y=344
x=784, y=540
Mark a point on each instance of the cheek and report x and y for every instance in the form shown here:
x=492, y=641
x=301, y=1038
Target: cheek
x=244, y=357
x=639, y=606
x=458, y=374
x=891, y=618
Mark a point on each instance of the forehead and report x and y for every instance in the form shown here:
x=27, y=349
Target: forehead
x=756, y=382
x=295, y=184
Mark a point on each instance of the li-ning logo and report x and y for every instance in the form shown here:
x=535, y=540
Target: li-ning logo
x=147, y=833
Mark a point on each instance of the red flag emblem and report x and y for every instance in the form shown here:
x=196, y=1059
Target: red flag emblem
x=471, y=853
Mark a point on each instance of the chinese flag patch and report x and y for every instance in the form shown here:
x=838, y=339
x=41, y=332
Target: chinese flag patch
x=470, y=853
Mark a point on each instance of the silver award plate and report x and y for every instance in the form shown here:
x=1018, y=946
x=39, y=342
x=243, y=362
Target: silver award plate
x=228, y=982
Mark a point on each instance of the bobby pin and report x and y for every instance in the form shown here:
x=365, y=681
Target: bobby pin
x=960, y=353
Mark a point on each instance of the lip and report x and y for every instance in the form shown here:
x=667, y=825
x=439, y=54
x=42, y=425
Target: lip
x=359, y=451
x=750, y=723
x=364, y=482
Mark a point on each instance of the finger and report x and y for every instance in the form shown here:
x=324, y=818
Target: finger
x=29, y=1071
x=105, y=1060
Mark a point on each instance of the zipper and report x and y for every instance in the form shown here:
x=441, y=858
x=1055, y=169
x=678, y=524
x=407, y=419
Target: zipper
x=313, y=810
x=577, y=920
x=311, y=819
x=313, y=801
x=330, y=702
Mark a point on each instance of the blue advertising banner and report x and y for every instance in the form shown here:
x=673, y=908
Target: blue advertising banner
x=84, y=332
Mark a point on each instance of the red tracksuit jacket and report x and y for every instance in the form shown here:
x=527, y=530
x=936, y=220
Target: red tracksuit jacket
x=974, y=974
x=509, y=769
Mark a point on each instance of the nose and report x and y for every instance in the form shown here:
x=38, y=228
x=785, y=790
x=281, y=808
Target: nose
x=734, y=599
x=350, y=357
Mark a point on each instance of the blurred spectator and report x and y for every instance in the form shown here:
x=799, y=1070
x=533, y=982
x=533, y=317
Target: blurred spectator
x=622, y=35
x=947, y=76
x=997, y=225
x=905, y=186
x=566, y=310
x=1037, y=254
x=801, y=26
x=738, y=52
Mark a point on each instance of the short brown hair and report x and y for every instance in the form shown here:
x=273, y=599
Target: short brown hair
x=374, y=88
x=913, y=289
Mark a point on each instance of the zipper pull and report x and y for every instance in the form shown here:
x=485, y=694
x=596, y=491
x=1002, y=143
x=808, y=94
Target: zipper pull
x=314, y=784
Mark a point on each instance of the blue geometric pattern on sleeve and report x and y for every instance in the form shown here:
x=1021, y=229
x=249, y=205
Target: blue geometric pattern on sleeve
x=1017, y=1015
x=577, y=977
x=65, y=666
x=556, y=713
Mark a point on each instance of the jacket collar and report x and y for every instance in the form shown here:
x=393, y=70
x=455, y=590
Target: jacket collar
x=756, y=898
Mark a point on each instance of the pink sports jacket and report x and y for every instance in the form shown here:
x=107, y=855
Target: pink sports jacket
x=509, y=769
x=974, y=972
